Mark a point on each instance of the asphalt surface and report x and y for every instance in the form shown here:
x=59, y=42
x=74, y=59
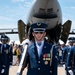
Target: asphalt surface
x=13, y=70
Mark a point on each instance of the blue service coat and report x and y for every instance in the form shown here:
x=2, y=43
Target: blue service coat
x=65, y=55
x=0, y=60
x=71, y=60
x=41, y=65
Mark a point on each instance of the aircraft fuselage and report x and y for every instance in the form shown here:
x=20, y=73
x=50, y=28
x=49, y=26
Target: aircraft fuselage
x=47, y=11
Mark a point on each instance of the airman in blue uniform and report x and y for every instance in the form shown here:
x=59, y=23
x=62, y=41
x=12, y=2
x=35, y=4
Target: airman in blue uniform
x=0, y=61
x=67, y=52
x=71, y=60
x=6, y=55
x=41, y=57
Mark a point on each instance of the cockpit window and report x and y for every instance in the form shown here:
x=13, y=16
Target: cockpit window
x=50, y=10
x=45, y=14
x=41, y=10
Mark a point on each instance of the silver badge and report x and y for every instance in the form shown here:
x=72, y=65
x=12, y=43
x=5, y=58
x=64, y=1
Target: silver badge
x=38, y=24
x=46, y=62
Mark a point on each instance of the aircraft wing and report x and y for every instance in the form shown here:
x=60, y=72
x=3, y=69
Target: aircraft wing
x=65, y=30
x=21, y=30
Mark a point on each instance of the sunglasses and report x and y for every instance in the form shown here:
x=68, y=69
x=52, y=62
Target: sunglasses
x=39, y=32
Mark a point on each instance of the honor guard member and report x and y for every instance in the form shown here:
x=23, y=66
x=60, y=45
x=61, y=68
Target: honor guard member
x=6, y=55
x=67, y=52
x=0, y=60
x=71, y=59
x=41, y=56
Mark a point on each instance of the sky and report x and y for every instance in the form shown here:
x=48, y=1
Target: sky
x=13, y=10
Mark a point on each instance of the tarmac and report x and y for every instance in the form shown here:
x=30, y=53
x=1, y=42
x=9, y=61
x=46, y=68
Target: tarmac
x=13, y=70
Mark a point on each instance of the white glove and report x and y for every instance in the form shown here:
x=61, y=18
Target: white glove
x=10, y=66
x=64, y=65
x=2, y=71
x=70, y=72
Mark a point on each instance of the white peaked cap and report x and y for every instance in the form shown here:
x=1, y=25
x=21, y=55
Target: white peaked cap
x=61, y=42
